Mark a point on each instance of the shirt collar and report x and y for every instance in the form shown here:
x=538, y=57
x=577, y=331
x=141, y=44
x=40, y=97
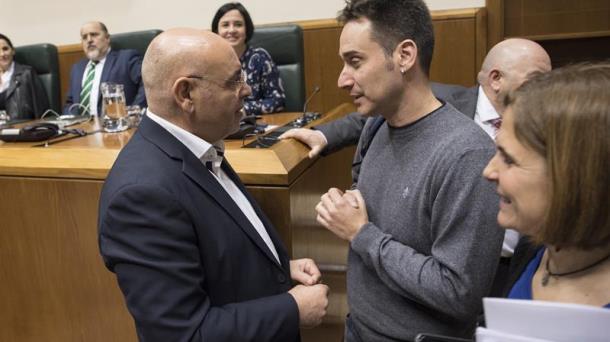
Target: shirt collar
x=202, y=149
x=485, y=109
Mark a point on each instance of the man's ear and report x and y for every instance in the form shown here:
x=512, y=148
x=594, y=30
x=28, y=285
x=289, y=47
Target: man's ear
x=495, y=80
x=182, y=94
x=406, y=53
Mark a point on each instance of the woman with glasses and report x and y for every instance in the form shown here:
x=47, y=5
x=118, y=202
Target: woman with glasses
x=22, y=95
x=551, y=171
x=233, y=23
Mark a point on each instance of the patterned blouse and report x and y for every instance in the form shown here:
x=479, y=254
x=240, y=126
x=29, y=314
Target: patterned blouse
x=264, y=79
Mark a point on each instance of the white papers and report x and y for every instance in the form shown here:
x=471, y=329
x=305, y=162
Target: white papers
x=531, y=320
x=487, y=335
x=270, y=127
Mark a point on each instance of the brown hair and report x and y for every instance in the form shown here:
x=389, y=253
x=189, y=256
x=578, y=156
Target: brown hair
x=564, y=115
x=394, y=21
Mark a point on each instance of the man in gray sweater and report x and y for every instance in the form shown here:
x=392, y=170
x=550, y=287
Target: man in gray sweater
x=424, y=241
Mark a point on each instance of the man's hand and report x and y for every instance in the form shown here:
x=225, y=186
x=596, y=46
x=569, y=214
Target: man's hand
x=342, y=214
x=312, y=138
x=312, y=302
x=305, y=271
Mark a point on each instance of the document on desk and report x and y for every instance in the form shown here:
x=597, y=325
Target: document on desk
x=547, y=321
x=270, y=128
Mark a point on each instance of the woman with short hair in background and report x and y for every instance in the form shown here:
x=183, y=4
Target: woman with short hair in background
x=233, y=23
x=22, y=95
x=551, y=170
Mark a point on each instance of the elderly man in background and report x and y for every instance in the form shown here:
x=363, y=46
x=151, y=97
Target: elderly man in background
x=102, y=64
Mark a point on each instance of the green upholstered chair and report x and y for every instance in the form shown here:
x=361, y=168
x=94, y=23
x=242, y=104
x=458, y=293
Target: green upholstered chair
x=43, y=58
x=285, y=45
x=137, y=40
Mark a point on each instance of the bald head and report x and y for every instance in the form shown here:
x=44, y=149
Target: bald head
x=508, y=64
x=175, y=53
x=192, y=79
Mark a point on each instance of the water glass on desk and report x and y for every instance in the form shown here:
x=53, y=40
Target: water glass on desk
x=134, y=115
x=114, y=110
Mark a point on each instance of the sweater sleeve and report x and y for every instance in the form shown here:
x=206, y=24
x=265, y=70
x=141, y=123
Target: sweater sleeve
x=458, y=270
x=342, y=132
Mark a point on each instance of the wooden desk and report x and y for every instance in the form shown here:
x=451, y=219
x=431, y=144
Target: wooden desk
x=53, y=284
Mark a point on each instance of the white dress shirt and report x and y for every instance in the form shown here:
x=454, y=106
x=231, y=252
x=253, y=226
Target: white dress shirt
x=485, y=113
x=205, y=152
x=95, y=87
x=6, y=77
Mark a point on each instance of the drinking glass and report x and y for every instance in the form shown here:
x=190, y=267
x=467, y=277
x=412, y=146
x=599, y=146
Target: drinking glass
x=134, y=115
x=114, y=110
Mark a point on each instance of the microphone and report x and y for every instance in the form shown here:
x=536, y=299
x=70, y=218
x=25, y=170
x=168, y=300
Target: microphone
x=307, y=116
x=316, y=90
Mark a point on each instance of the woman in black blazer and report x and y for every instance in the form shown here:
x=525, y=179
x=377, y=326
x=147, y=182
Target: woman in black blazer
x=22, y=95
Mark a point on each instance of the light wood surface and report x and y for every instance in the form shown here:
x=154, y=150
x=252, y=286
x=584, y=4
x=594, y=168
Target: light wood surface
x=53, y=284
x=91, y=157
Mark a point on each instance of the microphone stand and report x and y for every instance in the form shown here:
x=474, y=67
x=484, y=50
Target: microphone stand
x=307, y=116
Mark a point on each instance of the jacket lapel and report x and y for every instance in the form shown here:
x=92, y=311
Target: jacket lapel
x=194, y=169
x=275, y=238
x=14, y=83
x=467, y=101
x=77, y=85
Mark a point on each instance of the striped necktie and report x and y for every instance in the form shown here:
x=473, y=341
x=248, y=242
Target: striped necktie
x=85, y=93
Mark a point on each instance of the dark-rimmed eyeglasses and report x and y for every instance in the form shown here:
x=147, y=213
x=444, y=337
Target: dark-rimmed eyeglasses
x=228, y=83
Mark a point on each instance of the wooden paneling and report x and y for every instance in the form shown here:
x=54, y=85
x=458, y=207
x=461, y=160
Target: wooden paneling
x=323, y=65
x=556, y=17
x=495, y=21
x=570, y=31
x=455, y=51
x=53, y=284
x=569, y=51
x=68, y=56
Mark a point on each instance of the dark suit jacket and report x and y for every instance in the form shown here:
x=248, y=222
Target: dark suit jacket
x=346, y=131
x=121, y=66
x=189, y=263
x=25, y=95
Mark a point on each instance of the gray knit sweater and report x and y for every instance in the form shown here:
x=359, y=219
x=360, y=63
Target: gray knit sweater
x=430, y=251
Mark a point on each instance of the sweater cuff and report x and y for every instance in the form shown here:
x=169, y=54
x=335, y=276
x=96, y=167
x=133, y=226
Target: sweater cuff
x=368, y=236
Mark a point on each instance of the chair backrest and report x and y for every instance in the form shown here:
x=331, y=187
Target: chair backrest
x=285, y=45
x=138, y=40
x=43, y=58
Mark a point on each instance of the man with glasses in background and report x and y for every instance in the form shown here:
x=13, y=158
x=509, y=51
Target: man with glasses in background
x=194, y=255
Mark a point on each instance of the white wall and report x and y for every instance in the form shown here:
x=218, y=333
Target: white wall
x=58, y=22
